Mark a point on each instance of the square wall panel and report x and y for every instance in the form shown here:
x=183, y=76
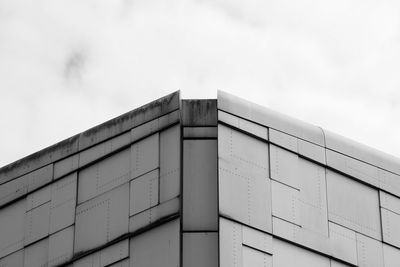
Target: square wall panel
x=200, y=205
x=145, y=155
x=15, y=259
x=200, y=249
x=102, y=219
x=170, y=140
x=391, y=256
x=144, y=192
x=104, y=175
x=391, y=227
x=345, y=197
x=37, y=223
x=36, y=255
x=369, y=251
x=12, y=220
x=158, y=247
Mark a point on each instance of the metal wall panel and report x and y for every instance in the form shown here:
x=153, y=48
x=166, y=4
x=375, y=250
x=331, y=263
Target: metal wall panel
x=230, y=243
x=345, y=197
x=389, y=182
x=91, y=260
x=37, y=223
x=114, y=253
x=98, y=151
x=369, y=251
x=170, y=141
x=285, y=202
x=284, y=166
x=344, y=243
x=312, y=151
x=66, y=166
x=244, y=186
x=158, y=247
x=200, y=205
x=284, y=140
x=301, y=236
x=200, y=249
x=353, y=167
x=149, y=216
x=102, y=219
x=257, y=239
x=36, y=255
x=391, y=227
x=391, y=256
x=145, y=155
x=63, y=202
x=61, y=246
x=200, y=132
x=38, y=197
x=144, y=192
x=12, y=220
x=255, y=258
x=243, y=125
x=104, y=175
x=13, y=260
x=389, y=202
x=25, y=184
x=286, y=254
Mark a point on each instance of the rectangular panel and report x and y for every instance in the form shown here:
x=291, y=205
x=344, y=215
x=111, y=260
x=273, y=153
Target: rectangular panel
x=114, y=253
x=164, y=242
x=389, y=202
x=255, y=258
x=285, y=202
x=144, y=155
x=91, y=260
x=200, y=132
x=391, y=256
x=353, y=167
x=38, y=197
x=314, y=213
x=301, y=236
x=389, y=182
x=123, y=263
x=37, y=223
x=391, y=227
x=343, y=243
x=149, y=216
x=200, y=205
x=25, y=184
x=230, y=243
x=345, y=197
x=66, y=166
x=286, y=254
x=155, y=125
x=244, y=186
x=144, y=192
x=199, y=112
x=13, y=260
x=200, y=249
x=102, y=219
x=369, y=251
x=12, y=220
x=98, y=151
x=244, y=125
x=170, y=141
x=284, y=166
x=63, y=202
x=257, y=239
x=61, y=245
x=36, y=255
x=104, y=175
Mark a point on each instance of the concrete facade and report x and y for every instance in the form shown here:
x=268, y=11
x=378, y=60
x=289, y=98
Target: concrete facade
x=194, y=183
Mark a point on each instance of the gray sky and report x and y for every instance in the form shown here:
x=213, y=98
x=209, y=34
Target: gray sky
x=66, y=66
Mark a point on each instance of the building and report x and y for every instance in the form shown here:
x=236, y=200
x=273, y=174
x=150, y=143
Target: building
x=195, y=183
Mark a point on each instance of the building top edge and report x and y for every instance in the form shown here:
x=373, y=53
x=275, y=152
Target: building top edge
x=91, y=137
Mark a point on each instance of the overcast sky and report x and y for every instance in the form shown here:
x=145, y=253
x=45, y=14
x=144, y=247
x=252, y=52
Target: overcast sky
x=66, y=66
